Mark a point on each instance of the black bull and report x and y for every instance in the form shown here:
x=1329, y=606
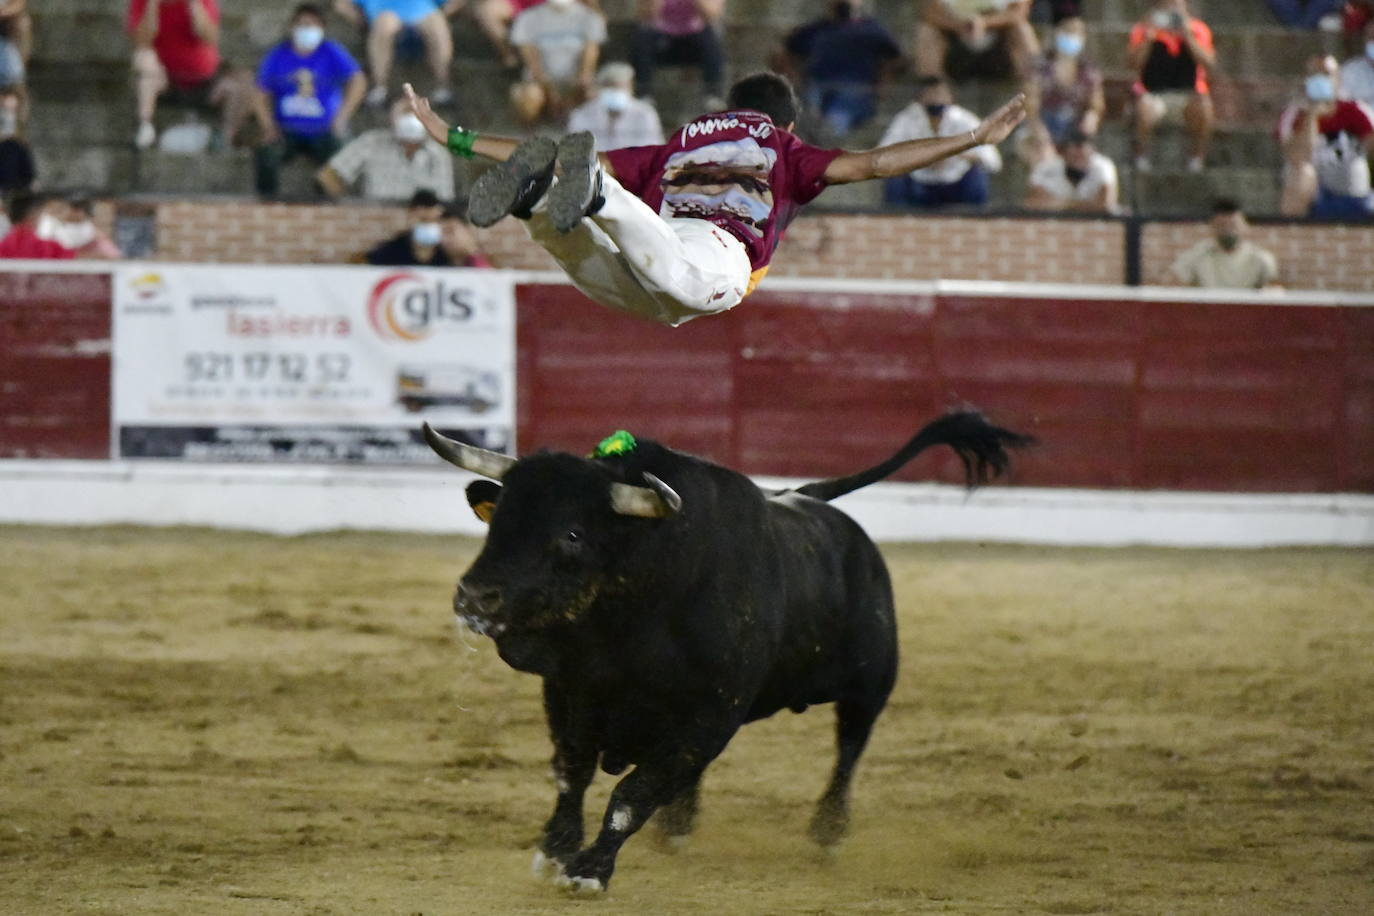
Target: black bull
x=666, y=601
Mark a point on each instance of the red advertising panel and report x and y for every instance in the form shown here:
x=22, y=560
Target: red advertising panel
x=54, y=365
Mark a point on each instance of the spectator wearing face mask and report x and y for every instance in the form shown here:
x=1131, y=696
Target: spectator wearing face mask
x=309, y=87
x=71, y=224
x=1173, y=54
x=559, y=42
x=616, y=118
x=390, y=163
x=1226, y=260
x=422, y=243
x=26, y=212
x=1079, y=180
x=457, y=241
x=1357, y=74
x=1064, y=95
x=17, y=171
x=1326, y=144
x=958, y=179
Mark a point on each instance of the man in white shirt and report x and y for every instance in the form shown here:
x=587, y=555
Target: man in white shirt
x=559, y=42
x=1357, y=74
x=1079, y=180
x=1226, y=259
x=959, y=179
x=390, y=163
x=614, y=116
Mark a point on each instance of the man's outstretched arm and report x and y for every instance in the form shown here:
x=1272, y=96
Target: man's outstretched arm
x=900, y=158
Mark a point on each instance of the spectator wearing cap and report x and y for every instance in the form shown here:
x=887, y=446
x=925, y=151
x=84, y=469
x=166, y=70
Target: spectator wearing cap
x=1064, y=95
x=422, y=243
x=1357, y=74
x=1079, y=180
x=614, y=116
x=309, y=86
x=176, y=50
x=679, y=33
x=26, y=211
x=958, y=180
x=1172, y=53
x=390, y=163
x=991, y=39
x=841, y=61
x=17, y=172
x=1326, y=143
x=559, y=42
x=389, y=23
x=1226, y=259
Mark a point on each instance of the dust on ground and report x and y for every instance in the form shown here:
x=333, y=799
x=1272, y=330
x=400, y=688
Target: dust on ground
x=201, y=722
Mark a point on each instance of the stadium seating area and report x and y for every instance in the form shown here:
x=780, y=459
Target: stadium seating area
x=83, y=108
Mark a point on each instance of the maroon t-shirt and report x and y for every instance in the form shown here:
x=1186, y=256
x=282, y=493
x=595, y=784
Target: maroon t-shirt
x=732, y=168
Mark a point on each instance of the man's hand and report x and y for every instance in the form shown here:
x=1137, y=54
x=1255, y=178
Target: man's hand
x=435, y=126
x=997, y=126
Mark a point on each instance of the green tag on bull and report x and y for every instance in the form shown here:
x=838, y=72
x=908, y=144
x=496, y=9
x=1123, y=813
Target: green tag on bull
x=617, y=443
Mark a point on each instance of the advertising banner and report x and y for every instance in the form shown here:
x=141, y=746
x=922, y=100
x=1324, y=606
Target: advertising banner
x=318, y=364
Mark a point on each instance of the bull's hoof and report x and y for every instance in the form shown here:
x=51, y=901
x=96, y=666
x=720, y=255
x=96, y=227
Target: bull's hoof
x=578, y=885
x=829, y=826
x=671, y=843
x=545, y=868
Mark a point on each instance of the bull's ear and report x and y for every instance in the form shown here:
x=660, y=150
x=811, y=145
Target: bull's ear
x=482, y=496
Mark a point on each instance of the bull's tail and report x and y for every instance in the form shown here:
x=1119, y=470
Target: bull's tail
x=981, y=446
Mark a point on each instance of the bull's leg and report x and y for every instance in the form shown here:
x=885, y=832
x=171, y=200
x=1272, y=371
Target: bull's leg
x=676, y=819
x=655, y=781
x=853, y=724
x=574, y=765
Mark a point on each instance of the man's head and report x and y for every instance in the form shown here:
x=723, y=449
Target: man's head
x=423, y=214
x=1228, y=223
x=845, y=10
x=1077, y=151
x=1322, y=82
x=1069, y=36
x=27, y=208
x=767, y=93
x=405, y=127
x=933, y=90
x=457, y=237
x=307, y=27
x=615, y=84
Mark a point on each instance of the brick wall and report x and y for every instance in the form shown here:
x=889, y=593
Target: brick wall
x=1310, y=256
x=818, y=245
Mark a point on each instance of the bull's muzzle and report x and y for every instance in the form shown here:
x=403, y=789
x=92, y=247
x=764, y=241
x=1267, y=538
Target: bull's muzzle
x=479, y=609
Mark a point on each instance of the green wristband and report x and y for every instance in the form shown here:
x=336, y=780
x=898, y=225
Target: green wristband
x=460, y=142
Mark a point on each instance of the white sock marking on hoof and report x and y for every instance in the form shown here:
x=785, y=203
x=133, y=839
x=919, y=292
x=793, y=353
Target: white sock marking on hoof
x=581, y=885
x=541, y=866
x=676, y=843
x=620, y=818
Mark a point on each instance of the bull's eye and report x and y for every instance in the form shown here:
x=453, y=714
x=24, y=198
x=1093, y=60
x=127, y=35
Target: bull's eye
x=572, y=542
x=573, y=537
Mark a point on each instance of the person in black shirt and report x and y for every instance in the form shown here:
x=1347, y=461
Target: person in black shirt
x=16, y=160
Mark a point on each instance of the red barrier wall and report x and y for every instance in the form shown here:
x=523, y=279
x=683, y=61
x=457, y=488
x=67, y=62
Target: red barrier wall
x=54, y=365
x=1176, y=395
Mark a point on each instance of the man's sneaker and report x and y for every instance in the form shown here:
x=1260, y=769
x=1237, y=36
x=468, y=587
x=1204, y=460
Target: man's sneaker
x=146, y=135
x=376, y=97
x=441, y=96
x=513, y=187
x=578, y=191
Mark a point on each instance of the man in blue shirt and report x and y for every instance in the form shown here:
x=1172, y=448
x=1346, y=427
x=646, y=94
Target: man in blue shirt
x=841, y=59
x=308, y=88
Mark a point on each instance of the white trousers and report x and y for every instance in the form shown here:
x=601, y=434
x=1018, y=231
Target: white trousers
x=628, y=257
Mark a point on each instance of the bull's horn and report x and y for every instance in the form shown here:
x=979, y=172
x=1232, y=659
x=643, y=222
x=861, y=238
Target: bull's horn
x=468, y=457
x=657, y=500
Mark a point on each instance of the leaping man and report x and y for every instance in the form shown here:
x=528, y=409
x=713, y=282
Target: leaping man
x=686, y=228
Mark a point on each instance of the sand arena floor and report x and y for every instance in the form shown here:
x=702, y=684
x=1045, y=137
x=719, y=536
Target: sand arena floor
x=195, y=722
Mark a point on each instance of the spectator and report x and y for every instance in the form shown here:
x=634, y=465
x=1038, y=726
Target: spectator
x=559, y=42
x=1172, y=53
x=986, y=38
x=16, y=39
x=1227, y=260
x=309, y=86
x=615, y=117
x=1064, y=96
x=17, y=172
x=841, y=60
x=1357, y=74
x=459, y=242
x=176, y=46
x=1326, y=143
x=391, y=163
x=71, y=224
x=22, y=241
x=680, y=33
x=392, y=23
x=494, y=18
x=423, y=243
x=959, y=179
x=1307, y=14
x=1079, y=180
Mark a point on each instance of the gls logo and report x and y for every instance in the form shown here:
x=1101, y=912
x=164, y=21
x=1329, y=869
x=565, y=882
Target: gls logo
x=409, y=307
